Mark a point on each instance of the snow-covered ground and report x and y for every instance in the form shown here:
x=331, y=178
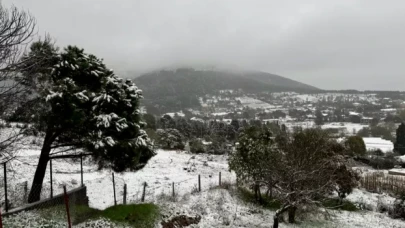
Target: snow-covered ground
x=254, y=103
x=217, y=207
x=347, y=128
x=165, y=168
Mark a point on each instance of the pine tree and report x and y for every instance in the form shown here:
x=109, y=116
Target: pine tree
x=318, y=118
x=400, y=142
x=35, y=77
x=355, y=146
x=91, y=108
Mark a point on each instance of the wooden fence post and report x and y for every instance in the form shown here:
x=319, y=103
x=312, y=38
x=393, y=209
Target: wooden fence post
x=125, y=194
x=219, y=179
x=173, y=194
x=143, y=192
x=81, y=169
x=67, y=206
x=51, y=180
x=199, y=182
x=5, y=186
x=115, y=197
x=1, y=220
x=25, y=191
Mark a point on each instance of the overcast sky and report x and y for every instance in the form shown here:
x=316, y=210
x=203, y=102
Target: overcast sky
x=331, y=44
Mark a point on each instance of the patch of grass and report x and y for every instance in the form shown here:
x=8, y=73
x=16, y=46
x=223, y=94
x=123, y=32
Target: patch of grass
x=137, y=215
x=82, y=213
x=337, y=205
x=266, y=202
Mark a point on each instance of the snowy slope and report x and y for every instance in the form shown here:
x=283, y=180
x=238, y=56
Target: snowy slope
x=218, y=207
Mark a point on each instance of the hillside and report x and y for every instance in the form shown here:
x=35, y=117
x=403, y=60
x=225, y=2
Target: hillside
x=180, y=88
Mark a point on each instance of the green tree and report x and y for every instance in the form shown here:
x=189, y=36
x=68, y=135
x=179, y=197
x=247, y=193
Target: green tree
x=400, y=140
x=364, y=132
x=184, y=127
x=150, y=121
x=167, y=122
x=196, y=146
x=235, y=125
x=318, y=118
x=376, y=131
x=374, y=122
x=401, y=114
x=355, y=145
x=170, y=139
x=35, y=77
x=309, y=170
x=251, y=159
x=90, y=107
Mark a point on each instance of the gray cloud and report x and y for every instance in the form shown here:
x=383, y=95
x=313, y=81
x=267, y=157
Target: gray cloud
x=334, y=44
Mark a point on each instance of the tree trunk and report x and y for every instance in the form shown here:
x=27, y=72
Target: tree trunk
x=291, y=214
x=259, y=194
x=271, y=193
x=278, y=213
x=275, y=221
x=35, y=192
x=256, y=189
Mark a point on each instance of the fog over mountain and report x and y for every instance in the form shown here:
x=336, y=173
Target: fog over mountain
x=334, y=44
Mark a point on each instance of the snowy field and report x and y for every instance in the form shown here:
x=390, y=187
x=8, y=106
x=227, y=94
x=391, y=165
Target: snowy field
x=254, y=103
x=347, y=128
x=165, y=168
x=314, y=98
x=217, y=207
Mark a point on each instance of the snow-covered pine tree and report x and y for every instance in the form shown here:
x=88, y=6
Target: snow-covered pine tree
x=91, y=108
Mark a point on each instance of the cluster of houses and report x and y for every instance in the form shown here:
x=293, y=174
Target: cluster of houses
x=343, y=114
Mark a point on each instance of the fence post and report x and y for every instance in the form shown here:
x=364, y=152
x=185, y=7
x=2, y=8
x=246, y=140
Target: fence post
x=115, y=198
x=143, y=192
x=67, y=206
x=81, y=169
x=173, y=194
x=25, y=191
x=125, y=194
x=1, y=220
x=219, y=179
x=50, y=170
x=199, y=182
x=5, y=186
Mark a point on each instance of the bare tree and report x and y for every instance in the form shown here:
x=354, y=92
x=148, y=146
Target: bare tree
x=312, y=166
x=299, y=169
x=17, y=29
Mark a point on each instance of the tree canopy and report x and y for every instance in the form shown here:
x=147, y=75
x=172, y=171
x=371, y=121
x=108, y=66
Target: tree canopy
x=400, y=140
x=355, y=145
x=87, y=106
x=301, y=168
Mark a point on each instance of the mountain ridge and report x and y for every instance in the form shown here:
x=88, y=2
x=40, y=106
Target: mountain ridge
x=181, y=87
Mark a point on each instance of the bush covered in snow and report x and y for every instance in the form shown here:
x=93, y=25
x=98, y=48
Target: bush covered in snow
x=170, y=138
x=398, y=209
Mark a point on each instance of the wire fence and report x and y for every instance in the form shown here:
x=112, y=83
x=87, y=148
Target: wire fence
x=112, y=189
x=381, y=182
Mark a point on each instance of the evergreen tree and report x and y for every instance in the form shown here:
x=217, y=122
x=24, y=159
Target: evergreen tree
x=170, y=139
x=400, y=142
x=90, y=107
x=35, y=77
x=235, y=125
x=167, y=122
x=318, y=118
x=184, y=127
x=355, y=145
x=150, y=121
